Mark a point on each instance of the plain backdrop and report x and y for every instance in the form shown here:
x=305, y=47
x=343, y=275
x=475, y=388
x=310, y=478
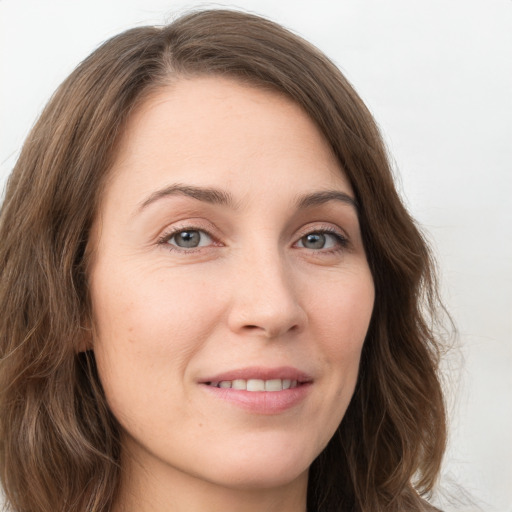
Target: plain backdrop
x=437, y=75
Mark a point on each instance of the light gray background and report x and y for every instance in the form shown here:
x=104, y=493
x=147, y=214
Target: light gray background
x=437, y=75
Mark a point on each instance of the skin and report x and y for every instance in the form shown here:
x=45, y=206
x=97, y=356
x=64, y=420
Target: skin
x=255, y=292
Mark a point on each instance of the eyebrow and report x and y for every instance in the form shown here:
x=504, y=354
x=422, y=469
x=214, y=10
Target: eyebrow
x=319, y=198
x=221, y=197
x=204, y=194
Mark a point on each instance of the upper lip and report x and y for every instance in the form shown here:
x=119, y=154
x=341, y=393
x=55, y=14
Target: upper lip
x=259, y=372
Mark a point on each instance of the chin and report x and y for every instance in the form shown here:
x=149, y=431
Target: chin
x=260, y=476
x=263, y=466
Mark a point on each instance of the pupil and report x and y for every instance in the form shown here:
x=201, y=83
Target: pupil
x=188, y=239
x=314, y=241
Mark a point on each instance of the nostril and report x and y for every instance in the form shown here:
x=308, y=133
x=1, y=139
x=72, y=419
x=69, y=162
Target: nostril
x=267, y=332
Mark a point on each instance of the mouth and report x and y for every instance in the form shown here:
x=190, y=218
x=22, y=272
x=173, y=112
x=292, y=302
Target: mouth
x=271, y=385
x=257, y=378
x=260, y=390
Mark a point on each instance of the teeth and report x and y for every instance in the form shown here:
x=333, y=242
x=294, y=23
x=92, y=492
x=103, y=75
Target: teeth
x=256, y=384
x=239, y=384
x=273, y=385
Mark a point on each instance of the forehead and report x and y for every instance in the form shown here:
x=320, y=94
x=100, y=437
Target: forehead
x=217, y=131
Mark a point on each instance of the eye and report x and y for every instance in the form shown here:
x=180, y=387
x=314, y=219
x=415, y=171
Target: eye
x=318, y=240
x=188, y=239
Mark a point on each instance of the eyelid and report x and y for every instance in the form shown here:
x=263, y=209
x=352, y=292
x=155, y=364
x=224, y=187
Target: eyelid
x=168, y=233
x=338, y=233
x=322, y=228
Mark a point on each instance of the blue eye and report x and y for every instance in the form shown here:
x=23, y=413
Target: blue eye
x=189, y=239
x=318, y=240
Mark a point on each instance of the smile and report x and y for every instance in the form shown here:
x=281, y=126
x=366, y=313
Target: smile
x=256, y=384
x=260, y=390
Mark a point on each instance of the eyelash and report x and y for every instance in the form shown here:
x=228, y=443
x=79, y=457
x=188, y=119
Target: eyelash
x=342, y=241
x=167, y=236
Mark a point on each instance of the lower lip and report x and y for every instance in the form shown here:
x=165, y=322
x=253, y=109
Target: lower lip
x=262, y=402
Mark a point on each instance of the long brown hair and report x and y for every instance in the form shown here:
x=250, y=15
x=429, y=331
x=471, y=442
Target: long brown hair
x=59, y=443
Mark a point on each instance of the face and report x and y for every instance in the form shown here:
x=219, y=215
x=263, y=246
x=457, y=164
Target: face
x=230, y=289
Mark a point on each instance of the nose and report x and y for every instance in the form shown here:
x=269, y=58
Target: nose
x=265, y=298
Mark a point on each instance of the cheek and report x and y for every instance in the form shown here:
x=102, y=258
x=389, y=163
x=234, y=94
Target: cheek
x=343, y=308
x=146, y=330
x=144, y=309
x=341, y=314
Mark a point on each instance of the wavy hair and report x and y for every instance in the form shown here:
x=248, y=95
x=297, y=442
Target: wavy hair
x=59, y=443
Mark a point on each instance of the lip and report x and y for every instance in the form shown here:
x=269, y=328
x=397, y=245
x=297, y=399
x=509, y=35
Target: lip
x=258, y=372
x=261, y=402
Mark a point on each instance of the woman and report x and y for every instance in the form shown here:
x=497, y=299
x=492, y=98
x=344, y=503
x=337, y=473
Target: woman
x=212, y=296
